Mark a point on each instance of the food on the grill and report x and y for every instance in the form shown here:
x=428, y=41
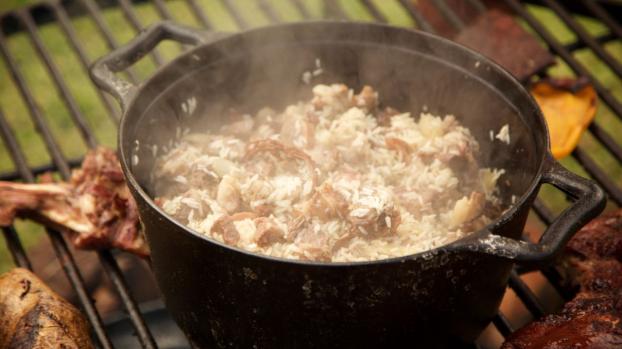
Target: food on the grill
x=334, y=178
x=95, y=207
x=495, y=32
x=33, y=316
x=593, y=319
x=593, y=257
x=569, y=107
x=590, y=321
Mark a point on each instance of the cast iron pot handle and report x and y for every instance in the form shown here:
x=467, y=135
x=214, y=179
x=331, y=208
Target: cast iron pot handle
x=589, y=200
x=104, y=69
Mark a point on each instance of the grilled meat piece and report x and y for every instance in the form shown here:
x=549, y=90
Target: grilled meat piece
x=95, y=207
x=599, y=239
x=33, y=316
x=593, y=319
x=593, y=257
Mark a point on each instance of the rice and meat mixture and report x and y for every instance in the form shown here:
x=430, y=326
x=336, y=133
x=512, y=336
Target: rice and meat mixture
x=334, y=178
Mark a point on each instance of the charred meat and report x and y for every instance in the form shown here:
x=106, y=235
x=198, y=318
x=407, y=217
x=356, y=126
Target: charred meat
x=94, y=207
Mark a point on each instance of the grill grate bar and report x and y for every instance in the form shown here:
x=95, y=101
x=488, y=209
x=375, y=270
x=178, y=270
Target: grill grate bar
x=116, y=276
x=71, y=270
x=267, y=8
x=95, y=13
x=68, y=30
x=543, y=212
x=478, y=5
x=60, y=246
x=526, y=295
x=32, y=106
x=584, y=36
x=502, y=324
x=16, y=248
x=449, y=15
x=601, y=39
x=166, y=15
x=37, y=170
x=555, y=45
x=602, y=15
x=11, y=143
x=162, y=10
x=373, y=10
x=614, y=192
x=333, y=9
x=422, y=23
x=301, y=9
x=610, y=144
x=199, y=14
x=61, y=86
x=10, y=235
x=131, y=17
x=555, y=279
x=239, y=20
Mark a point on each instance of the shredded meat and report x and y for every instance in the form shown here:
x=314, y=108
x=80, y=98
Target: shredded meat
x=382, y=222
x=283, y=152
x=326, y=203
x=593, y=319
x=95, y=207
x=224, y=226
x=267, y=232
x=402, y=148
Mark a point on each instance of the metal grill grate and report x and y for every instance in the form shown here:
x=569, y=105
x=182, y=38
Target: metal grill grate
x=30, y=21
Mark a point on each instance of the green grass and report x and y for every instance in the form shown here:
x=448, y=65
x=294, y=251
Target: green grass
x=12, y=4
x=101, y=123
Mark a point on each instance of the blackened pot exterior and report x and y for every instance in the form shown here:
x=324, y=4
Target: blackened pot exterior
x=225, y=297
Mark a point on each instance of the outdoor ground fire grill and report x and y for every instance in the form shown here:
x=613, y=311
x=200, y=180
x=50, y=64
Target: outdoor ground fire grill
x=150, y=324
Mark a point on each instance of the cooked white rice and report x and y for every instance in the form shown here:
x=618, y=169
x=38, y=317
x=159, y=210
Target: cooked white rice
x=334, y=178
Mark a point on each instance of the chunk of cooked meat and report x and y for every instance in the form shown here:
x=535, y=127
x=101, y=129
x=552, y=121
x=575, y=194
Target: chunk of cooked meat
x=225, y=226
x=326, y=203
x=594, y=254
x=281, y=151
x=95, y=207
x=33, y=316
x=599, y=239
x=400, y=147
x=370, y=220
x=267, y=232
x=593, y=319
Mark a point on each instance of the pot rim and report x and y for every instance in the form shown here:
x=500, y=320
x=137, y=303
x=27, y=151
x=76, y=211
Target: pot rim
x=545, y=159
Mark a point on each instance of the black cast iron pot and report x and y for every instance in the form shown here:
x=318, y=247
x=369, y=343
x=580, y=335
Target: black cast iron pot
x=222, y=296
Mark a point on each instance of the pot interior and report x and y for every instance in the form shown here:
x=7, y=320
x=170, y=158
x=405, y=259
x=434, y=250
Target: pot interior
x=412, y=71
